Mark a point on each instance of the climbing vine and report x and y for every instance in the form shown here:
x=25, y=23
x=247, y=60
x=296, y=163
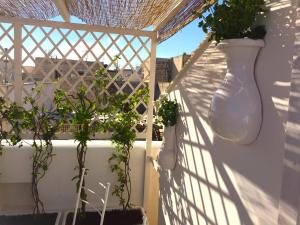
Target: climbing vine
x=3, y=133
x=11, y=116
x=86, y=117
x=43, y=124
x=123, y=137
x=105, y=111
x=82, y=111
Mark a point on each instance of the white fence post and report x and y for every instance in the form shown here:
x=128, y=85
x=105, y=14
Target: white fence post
x=18, y=82
x=150, y=118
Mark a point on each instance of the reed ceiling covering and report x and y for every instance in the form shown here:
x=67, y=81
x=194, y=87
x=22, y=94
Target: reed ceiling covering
x=132, y=14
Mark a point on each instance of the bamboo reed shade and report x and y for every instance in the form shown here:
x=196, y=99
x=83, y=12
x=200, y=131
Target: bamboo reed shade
x=186, y=15
x=132, y=14
x=35, y=9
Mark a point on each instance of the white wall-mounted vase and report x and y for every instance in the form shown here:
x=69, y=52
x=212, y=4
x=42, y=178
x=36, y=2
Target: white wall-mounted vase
x=236, y=108
x=166, y=158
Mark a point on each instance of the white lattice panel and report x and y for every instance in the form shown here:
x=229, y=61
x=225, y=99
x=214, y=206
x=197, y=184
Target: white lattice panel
x=7, y=60
x=68, y=58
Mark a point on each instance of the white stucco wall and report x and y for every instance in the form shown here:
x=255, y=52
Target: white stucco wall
x=216, y=182
x=56, y=189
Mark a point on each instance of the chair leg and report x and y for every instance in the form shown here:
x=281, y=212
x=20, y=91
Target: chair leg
x=78, y=196
x=105, y=203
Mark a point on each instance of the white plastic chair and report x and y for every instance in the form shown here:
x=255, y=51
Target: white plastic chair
x=101, y=200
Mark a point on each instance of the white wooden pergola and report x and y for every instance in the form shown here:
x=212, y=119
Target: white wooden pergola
x=37, y=48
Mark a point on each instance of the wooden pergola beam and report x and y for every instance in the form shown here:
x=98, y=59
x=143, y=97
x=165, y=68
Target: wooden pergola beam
x=63, y=10
x=168, y=17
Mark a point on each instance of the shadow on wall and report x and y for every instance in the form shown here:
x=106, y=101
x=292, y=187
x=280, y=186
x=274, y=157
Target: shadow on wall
x=216, y=182
x=290, y=190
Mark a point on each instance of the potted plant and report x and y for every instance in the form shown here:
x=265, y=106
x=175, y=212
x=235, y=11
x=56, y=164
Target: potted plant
x=41, y=124
x=81, y=110
x=167, y=115
x=232, y=25
x=85, y=113
x=120, y=120
x=121, y=117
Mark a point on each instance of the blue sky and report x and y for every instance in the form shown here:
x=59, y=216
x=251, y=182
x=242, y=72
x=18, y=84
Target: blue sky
x=185, y=41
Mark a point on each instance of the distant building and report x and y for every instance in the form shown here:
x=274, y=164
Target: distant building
x=72, y=70
x=166, y=70
x=46, y=70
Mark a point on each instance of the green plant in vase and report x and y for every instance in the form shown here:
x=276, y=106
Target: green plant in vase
x=167, y=112
x=232, y=19
x=233, y=24
x=167, y=115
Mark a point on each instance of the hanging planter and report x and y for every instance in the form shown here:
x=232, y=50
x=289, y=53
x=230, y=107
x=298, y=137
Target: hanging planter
x=167, y=157
x=168, y=113
x=236, y=109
